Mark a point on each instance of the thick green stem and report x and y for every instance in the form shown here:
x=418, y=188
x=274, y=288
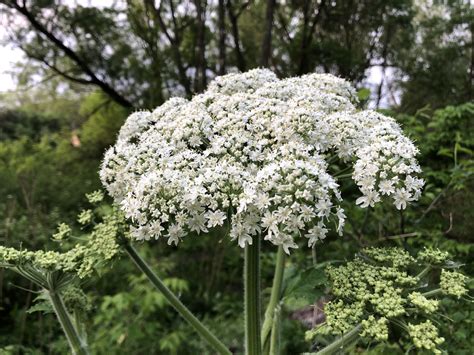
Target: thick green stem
x=339, y=343
x=175, y=302
x=275, y=337
x=78, y=346
x=274, y=299
x=252, y=298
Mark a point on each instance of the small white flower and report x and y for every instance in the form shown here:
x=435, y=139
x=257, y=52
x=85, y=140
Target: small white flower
x=341, y=220
x=307, y=213
x=323, y=207
x=262, y=201
x=244, y=240
x=401, y=197
x=412, y=183
x=197, y=223
x=215, y=218
x=370, y=198
x=269, y=220
x=386, y=187
x=318, y=232
x=195, y=141
x=287, y=244
x=175, y=233
x=155, y=229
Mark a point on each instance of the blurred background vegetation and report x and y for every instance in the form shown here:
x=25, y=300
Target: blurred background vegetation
x=88, y=64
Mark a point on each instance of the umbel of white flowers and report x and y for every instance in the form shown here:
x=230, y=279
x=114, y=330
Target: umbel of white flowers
x=251, y=153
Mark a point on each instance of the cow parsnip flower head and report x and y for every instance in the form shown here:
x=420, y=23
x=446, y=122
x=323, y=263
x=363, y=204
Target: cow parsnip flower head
x=250, y=154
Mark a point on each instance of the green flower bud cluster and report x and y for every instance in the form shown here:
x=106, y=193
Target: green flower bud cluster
x=433, y=256
x=95, y=197
x=387, y=300
x=365, y=286
x=75, y=299
x=453, y=283
x=47, y=260
x=395, y=257
x=85, y=217
x=100, y=246
x=425, y=335
x=375, y=328
x=341, y=317
x=63, y=233
x=420, y=301
x=377, y=289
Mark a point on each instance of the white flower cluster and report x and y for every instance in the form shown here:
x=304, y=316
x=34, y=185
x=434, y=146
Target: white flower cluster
x=249, y=154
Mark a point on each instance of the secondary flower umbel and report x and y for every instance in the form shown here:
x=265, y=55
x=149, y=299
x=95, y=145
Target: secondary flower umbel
x=250, y=154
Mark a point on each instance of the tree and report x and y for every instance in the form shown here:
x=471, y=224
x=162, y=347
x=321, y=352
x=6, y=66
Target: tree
x=76, y=48
x=438, y=69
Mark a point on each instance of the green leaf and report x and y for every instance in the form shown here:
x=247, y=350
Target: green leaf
x=43, y=306
x=308, y=285
x=447, y=152
x=363, y=94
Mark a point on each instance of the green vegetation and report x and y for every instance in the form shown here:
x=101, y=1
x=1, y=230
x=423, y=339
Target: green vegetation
x=133, y=55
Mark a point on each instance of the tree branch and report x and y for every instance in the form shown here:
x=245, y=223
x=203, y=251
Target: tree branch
x=68, y=52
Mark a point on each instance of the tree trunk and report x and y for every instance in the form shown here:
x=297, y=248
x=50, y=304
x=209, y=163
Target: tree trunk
x=267, y=36
x=201, y=64
x=308, y=32
x=388, y=37
x=233, y=17
x=222, y=37
x=471, y=69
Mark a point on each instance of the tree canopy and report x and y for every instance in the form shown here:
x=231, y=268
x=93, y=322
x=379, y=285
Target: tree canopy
x=139, y=53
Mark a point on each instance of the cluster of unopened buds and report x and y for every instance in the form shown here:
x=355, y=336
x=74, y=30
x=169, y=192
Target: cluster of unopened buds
x=381, y=291
x=251, y=156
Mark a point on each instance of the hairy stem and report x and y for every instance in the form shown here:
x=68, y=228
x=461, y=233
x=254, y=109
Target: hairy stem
x=252, y=298
x=77, y=344
x=183, y=311
x=274, y=299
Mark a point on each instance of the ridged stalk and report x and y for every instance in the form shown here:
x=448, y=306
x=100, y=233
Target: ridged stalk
x=183, y=311
x=274, y=300
x=78, y=346
x=252, y=298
